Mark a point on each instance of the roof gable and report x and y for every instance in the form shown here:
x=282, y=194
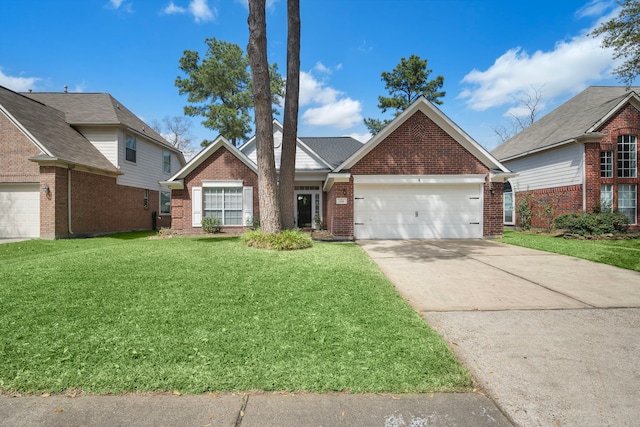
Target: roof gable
x=441, y=120
x=47, y=129
x=97, y=109
x=306, y=158
x=204, y=154
x=583, y=114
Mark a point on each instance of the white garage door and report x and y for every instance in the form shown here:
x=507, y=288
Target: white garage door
x=418, y=211
x=19, y=210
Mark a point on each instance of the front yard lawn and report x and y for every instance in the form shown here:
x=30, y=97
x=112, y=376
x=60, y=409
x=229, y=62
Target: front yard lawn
x=620, y=253
x=127, y=313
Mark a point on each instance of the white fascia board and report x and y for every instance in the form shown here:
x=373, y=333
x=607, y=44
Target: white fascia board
x=502, y=177
x=173, y=185
x=310, y=176
x=419, y=179
x=335, y=177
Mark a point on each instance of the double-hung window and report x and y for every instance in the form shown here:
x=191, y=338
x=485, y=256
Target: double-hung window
x=130, y=148
x=606, y=164
x=224, y=203
x=627, y=156
x=627, y=201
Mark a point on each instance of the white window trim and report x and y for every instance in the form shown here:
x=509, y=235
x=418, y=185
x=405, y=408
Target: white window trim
x=218, y=184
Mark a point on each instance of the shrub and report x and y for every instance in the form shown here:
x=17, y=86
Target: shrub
x=253, y=222
x=593, y=223
x=286, y=240
x=211, y=224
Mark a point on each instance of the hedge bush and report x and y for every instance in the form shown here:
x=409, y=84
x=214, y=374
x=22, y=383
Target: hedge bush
x=211, y=224
x=286, y=240
x=592, y=223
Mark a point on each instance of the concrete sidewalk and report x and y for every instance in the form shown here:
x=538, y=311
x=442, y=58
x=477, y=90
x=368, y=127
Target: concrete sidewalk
x=553, y=340
x=253, y=410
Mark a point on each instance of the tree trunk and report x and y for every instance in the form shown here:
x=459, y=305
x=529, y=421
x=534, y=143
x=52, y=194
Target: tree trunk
x=290, y=127
x=267, y=182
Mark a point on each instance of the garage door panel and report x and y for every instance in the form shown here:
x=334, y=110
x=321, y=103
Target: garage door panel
x=418, y=211
x=19, y=210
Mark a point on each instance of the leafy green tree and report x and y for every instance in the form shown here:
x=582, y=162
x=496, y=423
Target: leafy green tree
x=622, y=33
x=219, y=88
x=407, y=82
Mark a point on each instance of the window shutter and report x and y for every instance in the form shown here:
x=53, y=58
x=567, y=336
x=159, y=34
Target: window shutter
x=196, y=207
x=247, y=205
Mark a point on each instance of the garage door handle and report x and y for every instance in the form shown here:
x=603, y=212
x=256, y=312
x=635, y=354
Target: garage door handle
x=359, y=198
x=359, y=223
x=477, y=223
x=474, y=198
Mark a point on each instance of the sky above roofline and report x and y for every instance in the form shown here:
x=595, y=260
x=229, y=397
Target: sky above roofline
x=491, y=53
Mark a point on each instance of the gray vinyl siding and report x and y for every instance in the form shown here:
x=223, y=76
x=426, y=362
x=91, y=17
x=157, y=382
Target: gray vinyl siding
x=105, y=139
x=147, y=171
x=549, y=169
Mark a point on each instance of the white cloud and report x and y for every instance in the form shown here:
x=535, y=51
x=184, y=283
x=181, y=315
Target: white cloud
x=333, y=110
x=201, y=11
x=312, y=90
x=595, y=8
x=172, y=9
x=18, y=84
x=342, y=114
x=567, y=69
x=321, y=68
x=120, y=5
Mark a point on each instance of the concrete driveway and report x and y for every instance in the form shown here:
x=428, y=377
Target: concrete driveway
x=554, y=340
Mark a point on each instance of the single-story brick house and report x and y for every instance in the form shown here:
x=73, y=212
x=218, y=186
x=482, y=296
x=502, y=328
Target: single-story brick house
x=580, y=157
x=77, y=164
x=420, y=177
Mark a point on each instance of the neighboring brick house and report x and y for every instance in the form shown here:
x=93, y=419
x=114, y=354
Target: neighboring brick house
x=420, y=177
x=77, y=164
x=580, y=157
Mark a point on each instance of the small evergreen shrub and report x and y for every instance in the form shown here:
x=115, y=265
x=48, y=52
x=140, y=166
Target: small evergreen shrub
x=286, y=240
x=253, y=222
x=592, y=223
x=211, y=224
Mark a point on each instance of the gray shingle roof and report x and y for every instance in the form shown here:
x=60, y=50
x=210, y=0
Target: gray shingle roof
x=334, y=150
x=567, y=122
x=96, y=108
x=48, y=126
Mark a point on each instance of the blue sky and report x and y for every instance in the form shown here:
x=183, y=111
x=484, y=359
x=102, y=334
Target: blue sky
x=490, y=52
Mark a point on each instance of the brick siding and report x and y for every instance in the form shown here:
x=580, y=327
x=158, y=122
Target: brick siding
x=418, y=147
x=561, y=200
x=222, y=165
x=16, y=149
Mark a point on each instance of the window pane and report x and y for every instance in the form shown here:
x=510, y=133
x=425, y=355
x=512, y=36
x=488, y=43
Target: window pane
x=606, y=197
x=627, y=201
x=166, y=161
x=627, y=156
x=130, y=148
x=165, y=202
x=606, y=164
x=233, y=198
x=232, y=217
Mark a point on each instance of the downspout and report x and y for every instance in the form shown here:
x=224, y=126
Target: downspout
x=69, y=199
x=584, y=178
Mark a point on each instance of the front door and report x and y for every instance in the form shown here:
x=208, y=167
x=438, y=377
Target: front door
x=304, y=210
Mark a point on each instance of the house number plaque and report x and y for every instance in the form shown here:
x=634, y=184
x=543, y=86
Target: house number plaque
x=341, y=200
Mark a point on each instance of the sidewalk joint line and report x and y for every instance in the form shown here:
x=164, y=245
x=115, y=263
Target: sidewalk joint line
x=245, y=399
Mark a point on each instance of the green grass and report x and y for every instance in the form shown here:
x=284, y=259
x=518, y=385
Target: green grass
x=126, y=313
x=619, y=253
